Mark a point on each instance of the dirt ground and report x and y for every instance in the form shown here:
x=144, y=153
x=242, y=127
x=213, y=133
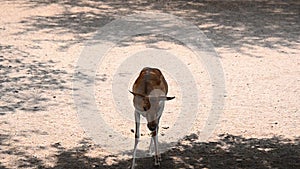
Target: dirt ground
x=258, y=44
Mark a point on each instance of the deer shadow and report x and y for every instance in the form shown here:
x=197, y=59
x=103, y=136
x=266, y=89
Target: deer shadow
x=229, y=151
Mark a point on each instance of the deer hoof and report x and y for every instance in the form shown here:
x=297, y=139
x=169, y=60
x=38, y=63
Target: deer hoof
x=159, y=158
x=131, y=167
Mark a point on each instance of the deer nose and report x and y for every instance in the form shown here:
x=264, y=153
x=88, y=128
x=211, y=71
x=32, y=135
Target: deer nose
x=151, y=126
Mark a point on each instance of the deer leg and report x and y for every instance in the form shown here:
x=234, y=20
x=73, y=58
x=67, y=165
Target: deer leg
x=151, y=146
x=157, y=156
x=137, y=136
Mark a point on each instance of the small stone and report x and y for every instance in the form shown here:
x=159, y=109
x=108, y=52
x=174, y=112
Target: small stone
x=239, y=160
x=56, y=144
x=96, y=166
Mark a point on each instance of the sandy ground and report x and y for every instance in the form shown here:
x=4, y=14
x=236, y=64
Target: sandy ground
x=258, y=44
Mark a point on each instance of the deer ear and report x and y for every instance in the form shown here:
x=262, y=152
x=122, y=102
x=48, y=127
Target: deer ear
x=136, y=94
x=170, y=98
x=132, y=92
x=165, y=98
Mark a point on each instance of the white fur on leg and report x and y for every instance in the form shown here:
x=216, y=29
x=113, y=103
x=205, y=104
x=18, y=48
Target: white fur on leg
x=156, y=157
x=134, y=153
x=151, y=147
x=137, y=137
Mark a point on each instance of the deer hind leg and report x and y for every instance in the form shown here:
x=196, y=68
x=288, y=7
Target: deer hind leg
x=151, y=147
x=137, y=137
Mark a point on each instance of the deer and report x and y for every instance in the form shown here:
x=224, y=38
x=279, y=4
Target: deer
x=150, y=93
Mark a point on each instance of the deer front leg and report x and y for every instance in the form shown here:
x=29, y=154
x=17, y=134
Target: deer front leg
x=137, y=137
x=157, y=156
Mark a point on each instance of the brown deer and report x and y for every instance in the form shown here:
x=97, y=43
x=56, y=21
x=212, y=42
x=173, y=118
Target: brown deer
x=150, y=92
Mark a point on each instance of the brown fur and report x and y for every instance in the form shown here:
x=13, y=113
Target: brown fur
x=148, y=80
